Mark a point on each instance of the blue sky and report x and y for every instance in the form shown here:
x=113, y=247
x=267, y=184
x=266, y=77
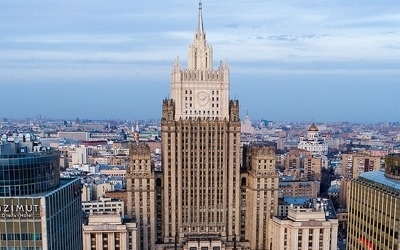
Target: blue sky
x=289, y=60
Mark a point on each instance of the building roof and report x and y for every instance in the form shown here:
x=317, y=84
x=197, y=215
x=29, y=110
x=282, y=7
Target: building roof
x=313, y=127
x=295, y=200
x=334, y=189
x=380, y=178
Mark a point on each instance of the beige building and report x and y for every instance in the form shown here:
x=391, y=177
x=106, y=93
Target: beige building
x=79, y=136
x=113, y=170
x=301, y=164
x=261, y=196
x=201, y=198
x=108, y=231
x=293, y=158
x=103, y=206
x=141, y=194
x=293, y=163
x=299, y=188
x=80, y=156
x=286, y=203
x=246, y=126
x=312, y=165
x=118, y=195
x=373, y=212
x=94, y=192
x=312, y=228
x=118, y=159
x=353, y=164
x=200, y=153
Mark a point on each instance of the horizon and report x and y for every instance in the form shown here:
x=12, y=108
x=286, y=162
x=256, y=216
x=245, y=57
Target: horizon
x=328, y=62
x=253, y=120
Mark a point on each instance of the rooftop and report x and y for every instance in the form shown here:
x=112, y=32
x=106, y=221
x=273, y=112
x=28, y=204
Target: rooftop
x=380, y=178
x=296, y=200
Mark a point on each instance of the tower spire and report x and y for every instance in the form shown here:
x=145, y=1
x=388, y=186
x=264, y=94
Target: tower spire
x=200, y=28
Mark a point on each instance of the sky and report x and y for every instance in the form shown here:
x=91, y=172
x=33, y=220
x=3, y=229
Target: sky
x=307, y=60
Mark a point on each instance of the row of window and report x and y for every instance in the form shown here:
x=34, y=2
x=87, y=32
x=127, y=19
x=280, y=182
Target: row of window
x=21, y=236
x=21, y=248
x=213, y=92
x=204, y=248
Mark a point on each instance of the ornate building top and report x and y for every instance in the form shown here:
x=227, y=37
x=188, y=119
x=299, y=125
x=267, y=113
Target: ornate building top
x=200, y=91
x=313, y=127
x=313, y=141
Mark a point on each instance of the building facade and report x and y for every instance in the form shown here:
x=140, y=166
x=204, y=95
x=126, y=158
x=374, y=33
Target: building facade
x=308, y=189
x=313, y=142
x=373, y=208
x=104, y=205
x=260, y=182
x=108, y=231
x=200, y=153
x=353, y=164
x=141, y=194
x=312, y=167
x=39, y=210
x=314, y=226
x=203, y=196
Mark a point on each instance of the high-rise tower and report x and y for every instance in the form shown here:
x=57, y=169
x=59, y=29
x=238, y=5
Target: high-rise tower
x=38, y=209
x=204, y=198
x=201, y=153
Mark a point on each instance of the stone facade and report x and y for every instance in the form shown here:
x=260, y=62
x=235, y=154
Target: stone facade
x=313, y=142
x=108, y=231
x=373, y=208
x=261, y=190
x=355, y=163
x=306, y=228
x=141, y=194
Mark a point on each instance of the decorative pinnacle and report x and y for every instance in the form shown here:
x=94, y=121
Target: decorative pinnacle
x=200, y=28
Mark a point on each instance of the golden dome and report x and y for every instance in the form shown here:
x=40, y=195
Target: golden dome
x=313, y=128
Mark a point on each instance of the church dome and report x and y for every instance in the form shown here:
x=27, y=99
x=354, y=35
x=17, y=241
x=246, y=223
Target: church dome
x=313, y=128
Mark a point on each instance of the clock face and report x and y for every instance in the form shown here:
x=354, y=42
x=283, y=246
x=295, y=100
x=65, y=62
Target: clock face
x=202, y=98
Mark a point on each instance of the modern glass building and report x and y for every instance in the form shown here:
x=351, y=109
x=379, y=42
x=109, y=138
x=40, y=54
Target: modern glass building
x=38, y=210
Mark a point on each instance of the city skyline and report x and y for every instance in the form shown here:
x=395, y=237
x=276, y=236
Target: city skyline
x=288, y=61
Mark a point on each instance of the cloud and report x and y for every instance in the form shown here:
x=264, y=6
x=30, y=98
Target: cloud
x=231, y=25
x=73, y=39
x=254, y=34
x=292, y=38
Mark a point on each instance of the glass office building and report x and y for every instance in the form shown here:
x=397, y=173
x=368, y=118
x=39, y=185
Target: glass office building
x=38, y=210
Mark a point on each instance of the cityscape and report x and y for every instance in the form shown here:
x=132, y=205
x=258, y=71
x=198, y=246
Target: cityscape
x=206, y=174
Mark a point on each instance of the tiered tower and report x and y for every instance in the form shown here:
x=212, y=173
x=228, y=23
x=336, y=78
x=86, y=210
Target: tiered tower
x=261, y=192
x=141, y=194
x=201, y=153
